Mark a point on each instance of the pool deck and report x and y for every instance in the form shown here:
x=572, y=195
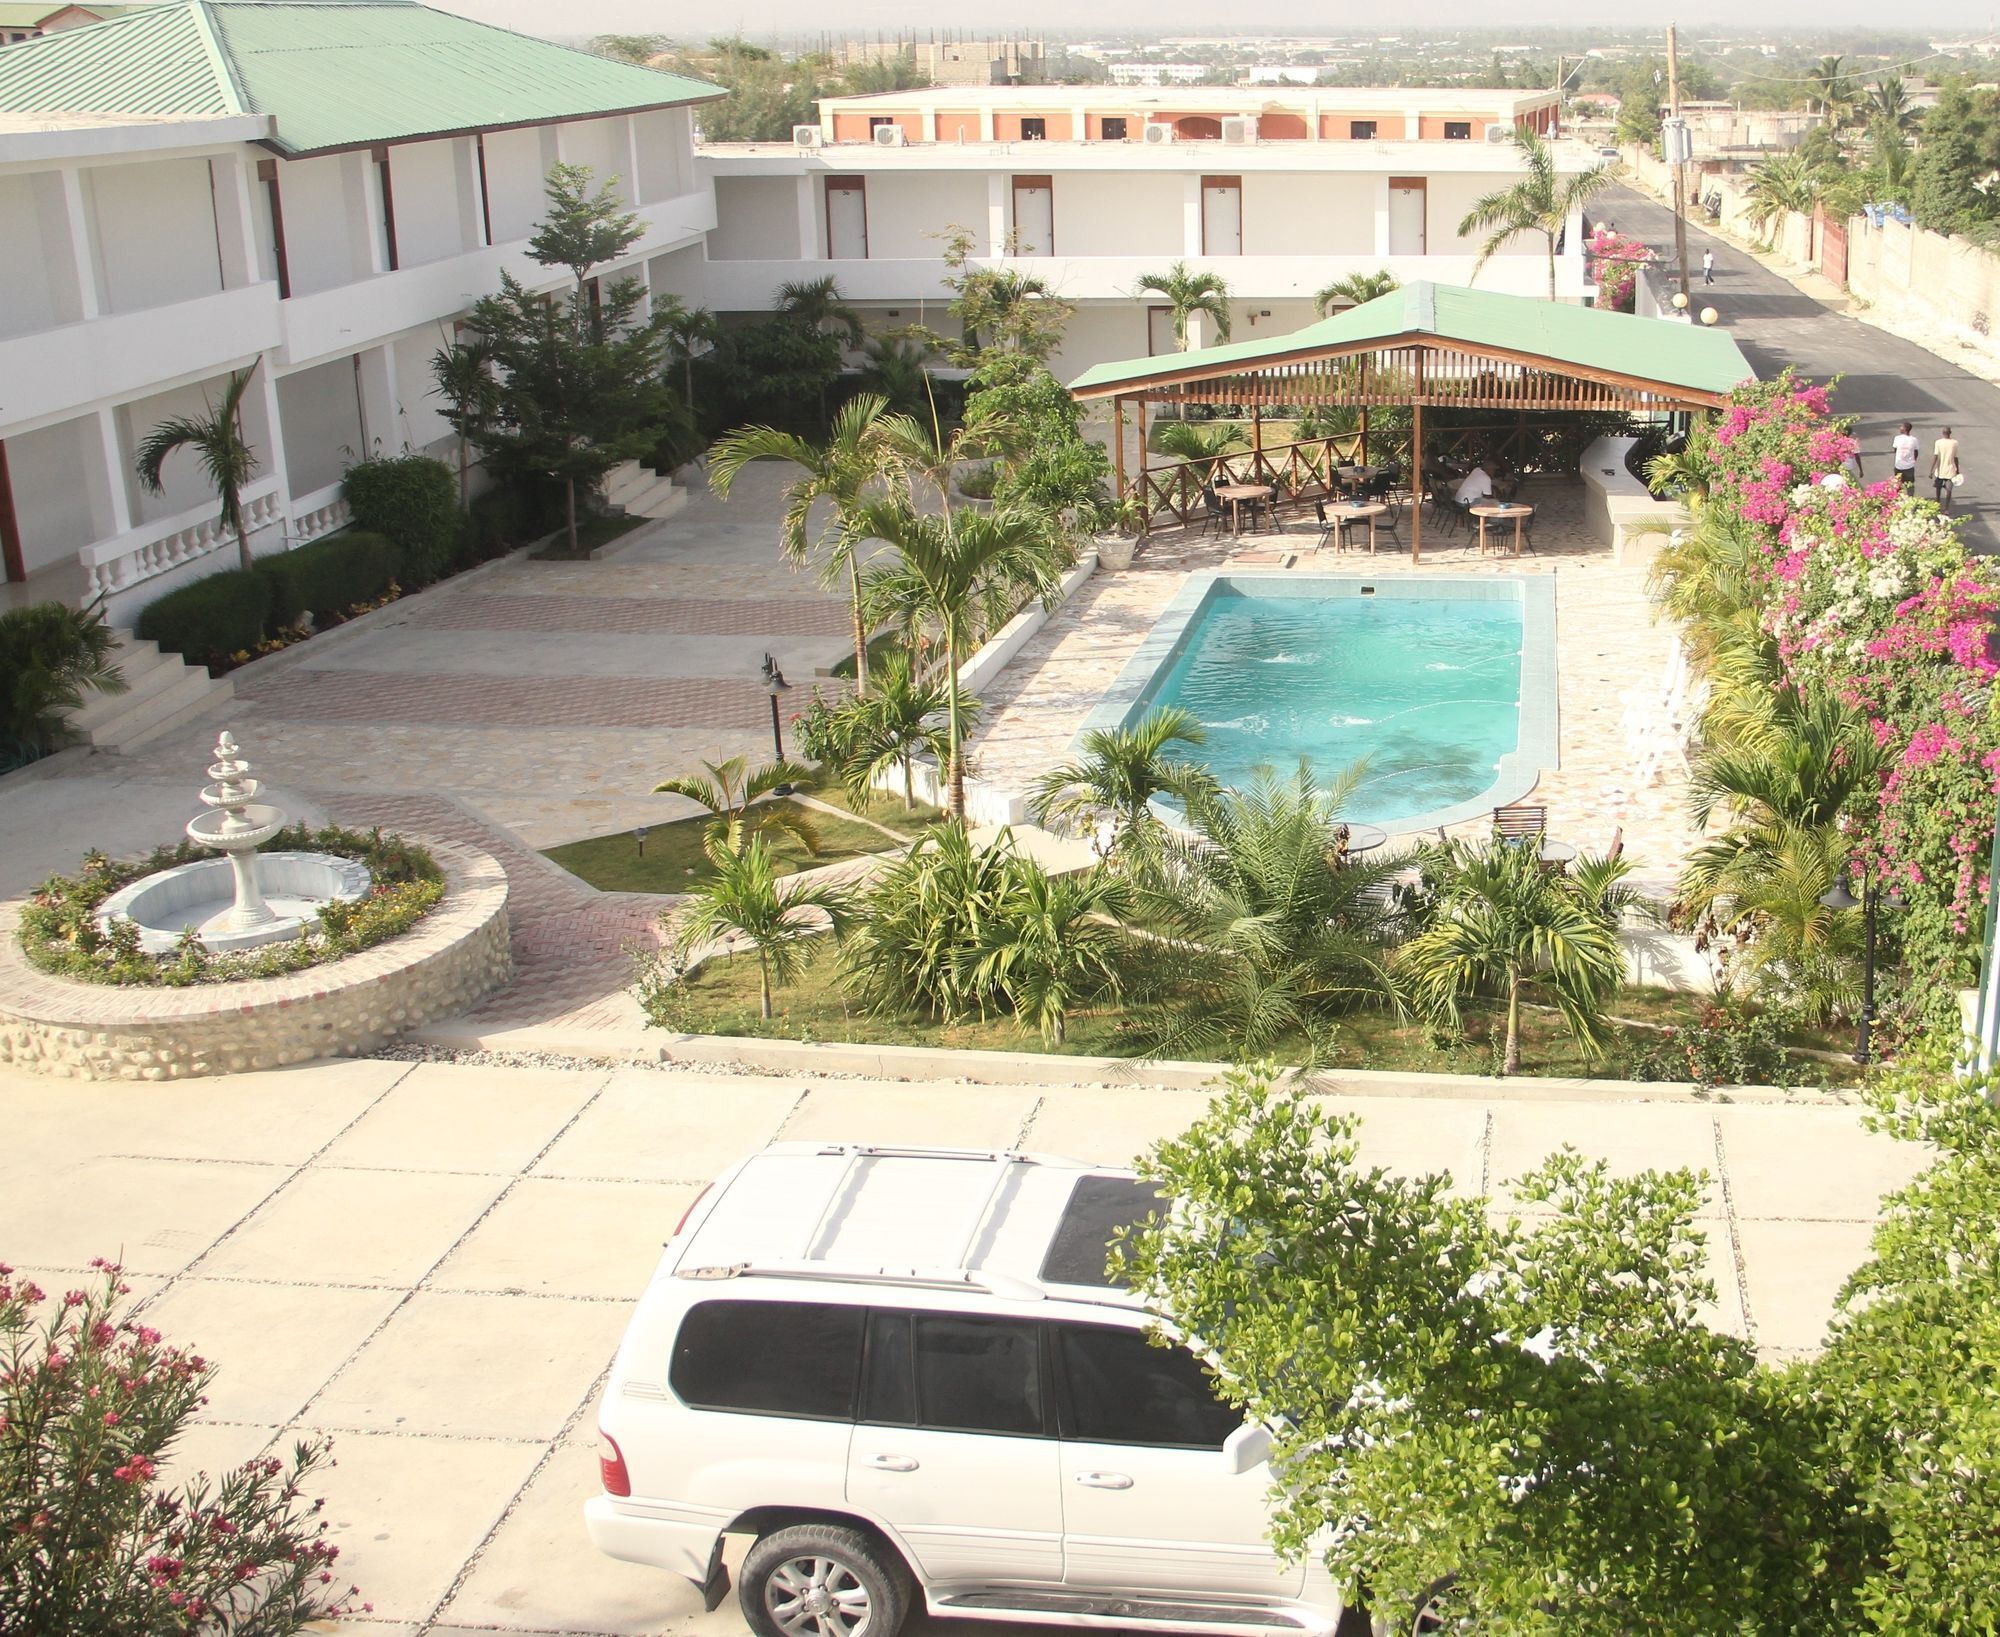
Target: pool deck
x=1607, y=645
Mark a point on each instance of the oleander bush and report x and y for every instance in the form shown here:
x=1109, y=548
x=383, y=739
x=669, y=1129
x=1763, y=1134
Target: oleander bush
x=412, y=500
x=92, y=1539
x=61, y=936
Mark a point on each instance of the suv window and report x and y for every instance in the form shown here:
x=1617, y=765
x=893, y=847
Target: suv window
x=1124, y=1390
x=977, y=1375
x=769, y=1358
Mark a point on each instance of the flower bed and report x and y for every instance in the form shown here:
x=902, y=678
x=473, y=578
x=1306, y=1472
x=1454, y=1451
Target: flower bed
x=60, y=934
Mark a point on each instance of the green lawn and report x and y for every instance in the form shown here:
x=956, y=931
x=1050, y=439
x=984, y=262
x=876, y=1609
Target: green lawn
x=675, y=862
x=722, y=999
x=880, y=646
x=885, y=807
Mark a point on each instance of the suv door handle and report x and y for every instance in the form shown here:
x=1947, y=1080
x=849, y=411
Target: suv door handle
x=893, y=1463
x=1104, y=1480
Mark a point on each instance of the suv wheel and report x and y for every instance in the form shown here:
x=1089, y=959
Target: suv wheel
x=822, y=1580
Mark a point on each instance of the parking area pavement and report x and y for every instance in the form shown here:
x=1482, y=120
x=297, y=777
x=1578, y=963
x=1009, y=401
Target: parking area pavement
x=434, y=1262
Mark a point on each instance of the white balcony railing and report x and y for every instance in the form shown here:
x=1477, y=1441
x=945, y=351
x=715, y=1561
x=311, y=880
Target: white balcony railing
x=318, y=513
x=144, y=553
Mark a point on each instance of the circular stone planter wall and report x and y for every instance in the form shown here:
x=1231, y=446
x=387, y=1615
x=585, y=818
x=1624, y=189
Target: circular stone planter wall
x=450, y=960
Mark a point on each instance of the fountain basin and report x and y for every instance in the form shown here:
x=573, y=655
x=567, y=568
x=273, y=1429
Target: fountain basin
x=201, y=895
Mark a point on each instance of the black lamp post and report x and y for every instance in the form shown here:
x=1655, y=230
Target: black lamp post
x=775, y=684
x=1838, y=897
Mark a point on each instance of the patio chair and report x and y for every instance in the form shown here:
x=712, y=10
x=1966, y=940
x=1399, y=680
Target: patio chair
x=1386, y=524
x=1215, y=515
x=1519, y=822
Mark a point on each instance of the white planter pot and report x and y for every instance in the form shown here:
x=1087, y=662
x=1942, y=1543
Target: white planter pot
x=1114, y=551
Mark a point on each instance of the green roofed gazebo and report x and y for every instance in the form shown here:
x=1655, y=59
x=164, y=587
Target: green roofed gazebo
x=1440, y=347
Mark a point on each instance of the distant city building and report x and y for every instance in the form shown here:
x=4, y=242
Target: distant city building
x=1158, y=73
x=958, y=62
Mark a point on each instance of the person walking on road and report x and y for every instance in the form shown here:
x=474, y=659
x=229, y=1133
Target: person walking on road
x=1905, y=445
x=1945, y=473
x=1708, y=267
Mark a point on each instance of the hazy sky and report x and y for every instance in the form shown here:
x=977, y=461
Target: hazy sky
x=1001, y=16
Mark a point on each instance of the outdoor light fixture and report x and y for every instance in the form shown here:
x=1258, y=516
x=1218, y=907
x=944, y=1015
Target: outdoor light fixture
x=775, y=684
x=1838, y=897
x=1709, y=315
x=1680, y=300
x=639, y=835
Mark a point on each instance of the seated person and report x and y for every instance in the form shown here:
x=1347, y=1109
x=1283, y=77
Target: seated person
x=1475, y=486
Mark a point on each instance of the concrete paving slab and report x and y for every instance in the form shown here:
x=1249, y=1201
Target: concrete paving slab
x=1718, y=1265
x=562, y=1236
x=216, y=1448
x=530, y=1571
x=1630, y=1137
x=355, y=1228
x=277, y=1116
x=408, y=1512
x=454, y=1117
x=476, y=1365
x=1417, y=1138
x=273, y=1346
x=652, y=1127
x=1848, y=1170
x=155, y=1216
x=929, y=1116
x=1110, y=1125
x=1793, y=1271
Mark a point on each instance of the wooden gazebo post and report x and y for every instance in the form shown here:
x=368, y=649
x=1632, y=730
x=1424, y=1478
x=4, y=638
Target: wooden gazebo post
x=1417, y=464
x=1118, y=441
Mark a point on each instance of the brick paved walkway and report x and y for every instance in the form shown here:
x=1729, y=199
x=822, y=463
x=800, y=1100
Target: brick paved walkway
x=318, y=695
x=640, y=615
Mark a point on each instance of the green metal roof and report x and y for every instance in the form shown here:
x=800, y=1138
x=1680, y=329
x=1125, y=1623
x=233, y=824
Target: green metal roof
x=1689, y=358
x=330, y=73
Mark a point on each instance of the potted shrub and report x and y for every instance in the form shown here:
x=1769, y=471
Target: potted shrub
x=1119, y=526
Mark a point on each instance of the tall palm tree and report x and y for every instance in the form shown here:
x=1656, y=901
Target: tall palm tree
x=1889, y=103
x=1355, y=290
x=1833, y=89
x=905, y=715
x=1056, y=946
x=689, y=332
x=1540, y=202
x=1202, y=443
x=1186, y=293
x=855, y=456
x=745, y=900
x=818, y=304
x=216, y=439
x=463, y=373
x=1502, y=919
x=926, y=455
x=1116, y=778
x=952, y=569
x=733, y=795
x=1785, y=182
x=1001, y=306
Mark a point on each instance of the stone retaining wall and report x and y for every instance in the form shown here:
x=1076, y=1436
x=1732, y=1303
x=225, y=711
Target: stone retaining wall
x=442, y=967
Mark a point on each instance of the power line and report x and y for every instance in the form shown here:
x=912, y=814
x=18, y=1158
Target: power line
x=1885, y=68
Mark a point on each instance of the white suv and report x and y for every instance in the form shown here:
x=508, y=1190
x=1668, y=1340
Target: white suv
x=905, y=1371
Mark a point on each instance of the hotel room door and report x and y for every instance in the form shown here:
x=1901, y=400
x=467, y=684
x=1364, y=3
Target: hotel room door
x=1034, y=216
x=1407, y=212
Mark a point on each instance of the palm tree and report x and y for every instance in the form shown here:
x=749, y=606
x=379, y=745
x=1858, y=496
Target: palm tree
x=1541, y=202
x=905, y=715
x=1268, y=927
x=689, y=331
x=1116, y=778
x=51, y=655
x=1774, y=186
x=855, y=455
x=1355, y=290
x=1833, y=89
x=732, y=794
x=818, y=305
x=926, y=455
x=898, y=373
x=743, y=900
x=1501, y=919
x=1000, y=307
x=952, y=568
x=463, y=371
x=1055, y=946
x=1201, y=443
x=1889, y=104
x=216, y=439
x=1186, y=293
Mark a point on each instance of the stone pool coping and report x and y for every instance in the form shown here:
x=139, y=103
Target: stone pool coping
x=1536, y=740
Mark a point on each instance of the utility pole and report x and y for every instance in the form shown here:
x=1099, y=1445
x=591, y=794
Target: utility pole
x=1672, y=145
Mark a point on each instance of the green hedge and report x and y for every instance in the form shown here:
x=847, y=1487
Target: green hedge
x=329, y=576
x=414, y=501
x=211, y=619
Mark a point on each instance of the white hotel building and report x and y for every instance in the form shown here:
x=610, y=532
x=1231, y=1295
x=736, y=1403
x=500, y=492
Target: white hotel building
x=316, y=190
x=1280, y=190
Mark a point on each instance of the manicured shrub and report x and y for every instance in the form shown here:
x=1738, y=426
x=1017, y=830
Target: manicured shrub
x=213, y=619
x=330, y=576
x=413, y=500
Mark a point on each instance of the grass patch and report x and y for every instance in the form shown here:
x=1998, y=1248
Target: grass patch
x=879, y=648
x=885, y=807
x=674, y=860
x=592, y=534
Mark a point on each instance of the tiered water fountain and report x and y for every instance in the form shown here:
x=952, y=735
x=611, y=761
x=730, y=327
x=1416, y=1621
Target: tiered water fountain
x=244, y=898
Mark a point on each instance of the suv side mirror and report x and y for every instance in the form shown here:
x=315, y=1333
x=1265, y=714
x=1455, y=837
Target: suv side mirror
x=1247, y=1448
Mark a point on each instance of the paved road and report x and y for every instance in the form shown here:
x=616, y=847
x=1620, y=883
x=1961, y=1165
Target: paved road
x=1886, y=379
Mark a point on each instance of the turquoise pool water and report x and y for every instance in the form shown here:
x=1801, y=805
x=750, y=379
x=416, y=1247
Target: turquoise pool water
x=1426, y=688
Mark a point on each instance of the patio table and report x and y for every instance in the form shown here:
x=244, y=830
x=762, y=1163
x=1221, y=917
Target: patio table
x=1557, y=852
x=1364, y=838
x=1352, y=512
x=1238, y=493
x=1518, y=510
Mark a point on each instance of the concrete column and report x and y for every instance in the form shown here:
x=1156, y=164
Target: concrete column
x=1413, y=125
x=810, y=249
x=1191, y=214
x=71, y=283
x=1382, y=215
x=89, y=274
x=986, y=123
x=928, y=125
x=107, y=478
x=1079, y=127
x=381, y=424
x=470, y=192
x=235, y=221
x=1197, y=331
x=362, y=188
x=271, y=457
x=632, y=196
x=996, y=211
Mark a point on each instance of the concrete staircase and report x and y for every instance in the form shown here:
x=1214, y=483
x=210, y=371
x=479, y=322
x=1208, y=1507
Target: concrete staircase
x=161, y=692
x=639, y=491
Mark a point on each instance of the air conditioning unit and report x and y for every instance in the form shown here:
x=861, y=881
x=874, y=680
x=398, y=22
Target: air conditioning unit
x=1158, y=134
x=1240, y=130
x=805, y=137
x=1499, y=133
x=889, y=136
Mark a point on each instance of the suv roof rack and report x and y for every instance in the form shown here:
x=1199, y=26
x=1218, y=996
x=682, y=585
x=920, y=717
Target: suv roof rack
x=993, y=1284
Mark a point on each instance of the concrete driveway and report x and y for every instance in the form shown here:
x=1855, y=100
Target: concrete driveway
x=434, y=1263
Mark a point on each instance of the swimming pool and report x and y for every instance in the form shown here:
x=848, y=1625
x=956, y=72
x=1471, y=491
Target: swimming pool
x=1445, y=686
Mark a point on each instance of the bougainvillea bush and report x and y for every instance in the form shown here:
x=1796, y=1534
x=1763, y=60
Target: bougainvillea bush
x=92, y=1540
x=1870, y=596
x=1612, y=261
